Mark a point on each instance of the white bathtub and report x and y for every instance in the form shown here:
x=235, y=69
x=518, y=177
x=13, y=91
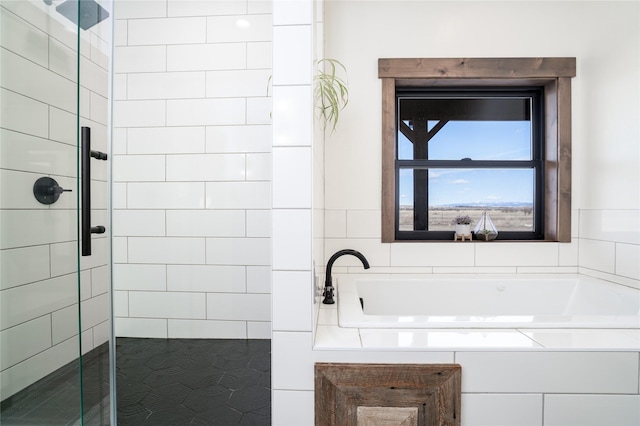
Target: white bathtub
x=514, y=301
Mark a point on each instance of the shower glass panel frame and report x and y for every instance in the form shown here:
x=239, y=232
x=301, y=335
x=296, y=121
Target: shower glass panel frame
x=57, y=353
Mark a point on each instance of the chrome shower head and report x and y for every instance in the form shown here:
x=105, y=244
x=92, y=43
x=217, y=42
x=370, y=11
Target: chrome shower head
x=90, y=12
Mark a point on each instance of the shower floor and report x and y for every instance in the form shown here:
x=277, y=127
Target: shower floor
x=159, y=382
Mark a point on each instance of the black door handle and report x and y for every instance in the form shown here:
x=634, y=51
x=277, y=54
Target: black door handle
x=86, y=154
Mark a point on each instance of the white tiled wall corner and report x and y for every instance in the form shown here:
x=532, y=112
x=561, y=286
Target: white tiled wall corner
x=238, y=195
x=120, y=303
x=259, y=110
x=627, y=264
x=598, y=255
x=259, y=330
x=237, y=83
x=335, y=223
x=248, y=307
x=259, y=55
x=194, y=159
x=258, y=223
x=610, y=225
x=259, y=279
x=255, y=138
x=238, y=251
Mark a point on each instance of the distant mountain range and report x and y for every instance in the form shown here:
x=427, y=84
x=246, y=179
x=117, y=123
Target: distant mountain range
x=492, y=205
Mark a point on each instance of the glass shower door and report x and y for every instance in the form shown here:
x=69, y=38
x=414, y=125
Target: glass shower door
x=55, y=304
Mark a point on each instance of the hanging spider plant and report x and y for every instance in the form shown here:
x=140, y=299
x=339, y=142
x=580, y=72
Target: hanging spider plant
x=330, y=91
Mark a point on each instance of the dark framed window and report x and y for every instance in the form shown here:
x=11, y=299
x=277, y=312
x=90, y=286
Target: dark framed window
x=466, y=151
x=501, y=85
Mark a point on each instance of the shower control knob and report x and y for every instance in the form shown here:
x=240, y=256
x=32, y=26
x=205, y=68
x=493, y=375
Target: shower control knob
x=47, y=191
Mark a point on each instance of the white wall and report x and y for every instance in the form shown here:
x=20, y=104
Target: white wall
x=38, y=243
x=603, y=36
x=192, y=170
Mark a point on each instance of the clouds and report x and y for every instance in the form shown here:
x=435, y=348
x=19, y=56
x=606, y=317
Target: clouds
x=459, y=182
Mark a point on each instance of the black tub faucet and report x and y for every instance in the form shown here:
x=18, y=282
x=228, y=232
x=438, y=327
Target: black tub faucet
x=328, y=286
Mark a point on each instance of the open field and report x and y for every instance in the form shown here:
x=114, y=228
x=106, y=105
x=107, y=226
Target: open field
x=504, y=218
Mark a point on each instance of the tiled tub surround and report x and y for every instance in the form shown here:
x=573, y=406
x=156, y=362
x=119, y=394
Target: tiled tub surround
x=192, y=169
x=510, y=376
x=38, y=242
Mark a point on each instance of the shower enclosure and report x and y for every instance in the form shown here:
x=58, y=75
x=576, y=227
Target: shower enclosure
x=56, y=337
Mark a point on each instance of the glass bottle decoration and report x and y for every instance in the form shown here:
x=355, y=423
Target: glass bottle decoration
x=485, y=230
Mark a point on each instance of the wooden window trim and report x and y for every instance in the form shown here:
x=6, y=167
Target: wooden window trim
x=553, y=73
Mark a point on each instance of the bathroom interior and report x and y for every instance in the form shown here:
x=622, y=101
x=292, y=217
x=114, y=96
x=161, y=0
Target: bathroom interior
x=223, y=197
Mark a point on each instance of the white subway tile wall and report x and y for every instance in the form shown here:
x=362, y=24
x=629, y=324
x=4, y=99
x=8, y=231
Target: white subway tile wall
x=38, y=120
x=192, y=169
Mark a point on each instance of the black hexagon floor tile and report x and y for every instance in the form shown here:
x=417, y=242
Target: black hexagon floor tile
x=265, y=380
x=166, y=396
x=224, y=416
x=163, y=382
x=250, y=399
x=201, y=400
x=257, y=418
x=198, y=378
x=240, y=378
